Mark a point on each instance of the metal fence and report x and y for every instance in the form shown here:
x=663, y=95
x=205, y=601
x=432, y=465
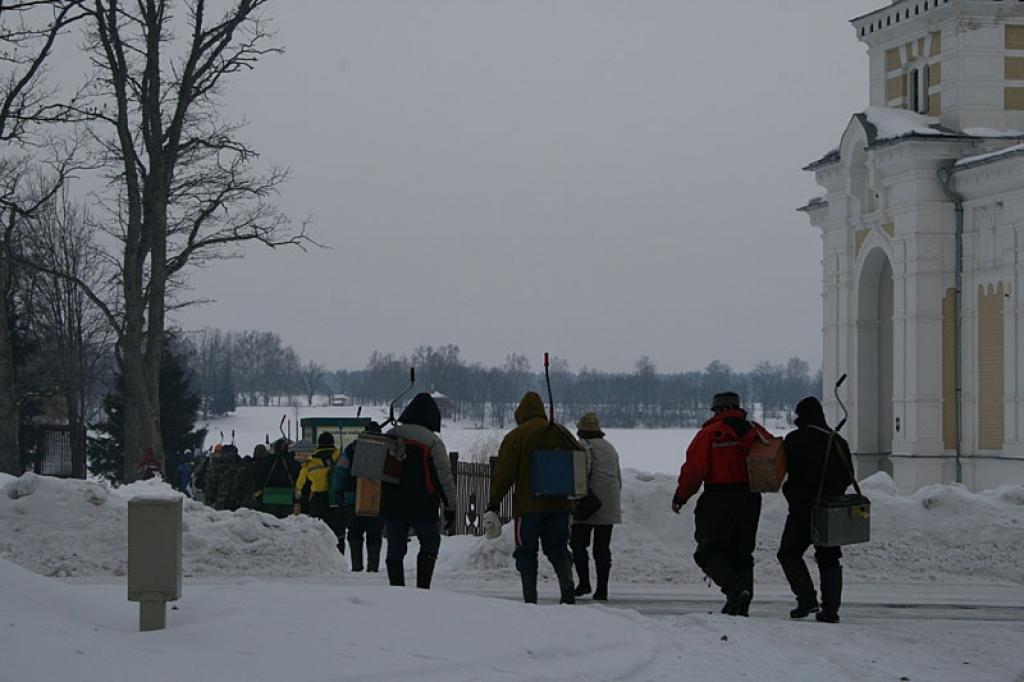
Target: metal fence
x=53, y=454
x=473, y=488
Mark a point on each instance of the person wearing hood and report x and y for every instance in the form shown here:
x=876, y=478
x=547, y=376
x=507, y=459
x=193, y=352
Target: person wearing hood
x=805, y=461
x=604, y=481
x=727, y=512
x=425, y=483
x=538, y=521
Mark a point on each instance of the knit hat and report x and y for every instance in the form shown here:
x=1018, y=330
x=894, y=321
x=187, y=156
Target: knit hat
x=325, y=440
x=588, y=422
x=725, y=401
x=260, y=450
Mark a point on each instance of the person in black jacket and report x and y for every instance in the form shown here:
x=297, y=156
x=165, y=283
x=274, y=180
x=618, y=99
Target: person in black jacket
x=425, y=483
x=805, y=461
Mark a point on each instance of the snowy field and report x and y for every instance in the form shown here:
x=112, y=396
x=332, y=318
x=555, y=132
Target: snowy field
x=659, y=450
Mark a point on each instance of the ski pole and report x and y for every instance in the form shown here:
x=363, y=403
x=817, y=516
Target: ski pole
x=547, y=378
x=280, y=427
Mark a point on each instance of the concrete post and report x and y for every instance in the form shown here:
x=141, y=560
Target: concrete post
x=154, y=557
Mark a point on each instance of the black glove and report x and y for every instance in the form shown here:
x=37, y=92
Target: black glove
x=449, y=519
x=677, y=503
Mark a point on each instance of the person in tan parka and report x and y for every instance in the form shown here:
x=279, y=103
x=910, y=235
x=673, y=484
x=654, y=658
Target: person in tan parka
x=538, y=521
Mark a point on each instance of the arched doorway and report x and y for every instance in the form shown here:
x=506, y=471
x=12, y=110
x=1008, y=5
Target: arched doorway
x=874, y=425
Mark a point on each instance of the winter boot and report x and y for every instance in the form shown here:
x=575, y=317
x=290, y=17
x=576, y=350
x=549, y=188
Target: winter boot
x=373, y=558
x=583, y=571
x=563, y=570
x=425, y=570
x=396, y=573
x=746, y=575
x=529, y=580
x=603, y=570
x=738, y=603
x=356, y=549
x=803, y=610
x=799, y=580
x=831, y=592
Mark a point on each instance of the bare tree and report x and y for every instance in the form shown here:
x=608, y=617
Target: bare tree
x=187, y=187
x=75, y=336
x=29, y=30
x=312, y=376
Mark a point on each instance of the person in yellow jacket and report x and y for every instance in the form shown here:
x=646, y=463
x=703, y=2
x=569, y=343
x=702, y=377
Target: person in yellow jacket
x=312, y=487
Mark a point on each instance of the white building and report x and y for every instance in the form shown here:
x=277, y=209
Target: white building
x=933, y=341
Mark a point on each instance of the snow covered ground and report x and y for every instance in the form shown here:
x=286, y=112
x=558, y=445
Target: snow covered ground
x=248, y=630
x=936, y=595
x=268, y=599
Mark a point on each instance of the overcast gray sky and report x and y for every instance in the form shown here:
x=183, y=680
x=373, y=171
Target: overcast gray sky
x=602, y=179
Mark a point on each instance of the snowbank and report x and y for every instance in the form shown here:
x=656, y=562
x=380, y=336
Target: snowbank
x=74, y=528
x=296, y=632
x=941, y=533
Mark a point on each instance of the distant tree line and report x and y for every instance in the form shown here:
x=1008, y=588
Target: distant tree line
x=487, y=396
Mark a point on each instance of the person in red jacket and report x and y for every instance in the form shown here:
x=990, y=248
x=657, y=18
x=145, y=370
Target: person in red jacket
x=727, y=512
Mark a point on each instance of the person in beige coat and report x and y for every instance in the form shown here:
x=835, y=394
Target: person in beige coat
x=604, y=479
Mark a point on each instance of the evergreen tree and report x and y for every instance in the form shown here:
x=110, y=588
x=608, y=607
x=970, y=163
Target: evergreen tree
x=179, y=405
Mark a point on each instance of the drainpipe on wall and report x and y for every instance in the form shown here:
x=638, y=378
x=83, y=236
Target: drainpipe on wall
x=946, y=179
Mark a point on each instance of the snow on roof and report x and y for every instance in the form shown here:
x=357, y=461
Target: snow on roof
x=972, y=160
x=991, y=132
x=893, y=123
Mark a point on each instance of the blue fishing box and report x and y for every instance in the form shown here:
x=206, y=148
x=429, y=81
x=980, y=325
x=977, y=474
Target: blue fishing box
x=558, y=473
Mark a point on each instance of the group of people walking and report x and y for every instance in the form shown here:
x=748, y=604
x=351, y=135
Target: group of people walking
x=564, y=528
x=727, y=512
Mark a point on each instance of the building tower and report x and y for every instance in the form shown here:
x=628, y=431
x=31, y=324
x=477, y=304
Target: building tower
x=922, y=227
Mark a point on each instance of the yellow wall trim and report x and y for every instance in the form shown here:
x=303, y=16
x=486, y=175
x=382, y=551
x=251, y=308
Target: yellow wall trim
x=990, y=367
x=892, y=59
x=858, y=240
x=1013, y=99
x=1013, y=68
x=889, y=229
x=936, y=43
x=935, y=104
x=935, y=73
x=896, y=88
x=1014, y=38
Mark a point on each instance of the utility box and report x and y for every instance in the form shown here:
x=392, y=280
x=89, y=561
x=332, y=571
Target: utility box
x=154, y=557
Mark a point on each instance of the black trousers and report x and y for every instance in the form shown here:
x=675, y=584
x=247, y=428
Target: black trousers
x=796, y=539
x=359, y=527
x=726, y=517
x=580, y=541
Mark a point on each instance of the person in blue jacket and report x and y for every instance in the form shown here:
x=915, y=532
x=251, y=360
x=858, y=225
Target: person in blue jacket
x=370, y=528
x=185, y=472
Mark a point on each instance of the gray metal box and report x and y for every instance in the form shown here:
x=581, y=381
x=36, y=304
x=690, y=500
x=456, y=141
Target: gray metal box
x=378, y=457
x=843, y=520
x=154, y=548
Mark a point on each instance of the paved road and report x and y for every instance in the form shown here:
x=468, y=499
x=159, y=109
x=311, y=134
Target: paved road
x=861, y=602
